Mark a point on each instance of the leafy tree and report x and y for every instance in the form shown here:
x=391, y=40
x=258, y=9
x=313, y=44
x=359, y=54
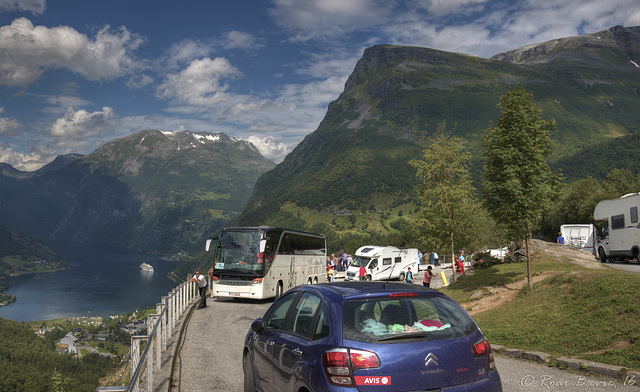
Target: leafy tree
x=450, y=210
x=518, y=184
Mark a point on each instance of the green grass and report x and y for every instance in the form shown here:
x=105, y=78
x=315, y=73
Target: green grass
x=578, y=312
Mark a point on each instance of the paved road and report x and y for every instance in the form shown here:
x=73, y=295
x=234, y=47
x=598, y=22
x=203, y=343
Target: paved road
x=211, y=356
x=631, y=266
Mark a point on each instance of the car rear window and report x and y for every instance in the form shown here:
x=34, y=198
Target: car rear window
x=391, y=318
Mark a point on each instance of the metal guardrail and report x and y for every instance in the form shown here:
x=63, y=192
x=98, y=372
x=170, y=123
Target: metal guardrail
x=143, y=367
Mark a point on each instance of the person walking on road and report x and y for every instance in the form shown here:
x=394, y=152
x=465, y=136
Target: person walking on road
x=362, y=273
x=202, y=288
x=428, y=274
x=409, y=277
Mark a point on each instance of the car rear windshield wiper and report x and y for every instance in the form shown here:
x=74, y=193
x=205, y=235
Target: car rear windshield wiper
x=406, y=335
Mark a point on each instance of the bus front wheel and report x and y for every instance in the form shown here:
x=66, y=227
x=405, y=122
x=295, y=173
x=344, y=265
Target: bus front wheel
x=279, y=290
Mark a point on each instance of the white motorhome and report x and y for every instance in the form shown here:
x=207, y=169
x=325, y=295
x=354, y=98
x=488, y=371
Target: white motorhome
x=383, y=262
x=620, y=237
x=581, y=236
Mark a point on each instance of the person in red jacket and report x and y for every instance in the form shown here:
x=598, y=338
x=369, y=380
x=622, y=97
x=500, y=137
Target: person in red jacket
x=362, y=273
x=460, y=266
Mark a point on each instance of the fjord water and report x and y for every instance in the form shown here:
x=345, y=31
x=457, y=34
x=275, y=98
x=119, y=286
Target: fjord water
x=101, y=281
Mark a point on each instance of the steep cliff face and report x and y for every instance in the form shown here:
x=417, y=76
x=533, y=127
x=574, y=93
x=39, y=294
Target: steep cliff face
x=397, y=98
x=151, y=191
x=617, y=46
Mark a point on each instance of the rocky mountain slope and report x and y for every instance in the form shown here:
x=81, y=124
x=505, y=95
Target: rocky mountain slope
x=356, y=162
x=152, y=191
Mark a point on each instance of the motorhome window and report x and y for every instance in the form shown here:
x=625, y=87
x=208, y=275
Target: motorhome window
x=634, y=214
x=617, y=222
x=398, y=259
x=366, y=250
x=386, y=261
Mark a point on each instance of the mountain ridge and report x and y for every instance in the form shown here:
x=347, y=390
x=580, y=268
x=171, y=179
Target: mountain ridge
x=151, y=191
x=397, y=98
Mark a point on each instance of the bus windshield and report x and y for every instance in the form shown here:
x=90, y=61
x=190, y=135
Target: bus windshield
x=239, y=251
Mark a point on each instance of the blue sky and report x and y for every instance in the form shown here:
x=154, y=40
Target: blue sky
x=77, y=74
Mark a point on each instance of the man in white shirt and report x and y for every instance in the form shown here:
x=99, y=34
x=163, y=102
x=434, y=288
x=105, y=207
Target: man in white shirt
x=202, y=288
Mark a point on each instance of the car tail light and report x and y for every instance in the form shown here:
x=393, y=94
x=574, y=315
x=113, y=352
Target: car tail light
x=340, y=363
x=483, y=349
x=409, y=294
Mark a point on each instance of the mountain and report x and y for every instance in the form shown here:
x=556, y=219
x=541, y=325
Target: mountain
x=352, y=174
x=21, y=254
x=151, y=191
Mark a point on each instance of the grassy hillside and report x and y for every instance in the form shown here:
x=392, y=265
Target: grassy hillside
x=586, y=313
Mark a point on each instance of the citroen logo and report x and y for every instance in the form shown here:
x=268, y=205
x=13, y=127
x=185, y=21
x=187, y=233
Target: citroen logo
x=430, y=359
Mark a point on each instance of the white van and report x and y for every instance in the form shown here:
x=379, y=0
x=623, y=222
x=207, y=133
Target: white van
x=383, y=262
x=620, y=237
x=581, y=236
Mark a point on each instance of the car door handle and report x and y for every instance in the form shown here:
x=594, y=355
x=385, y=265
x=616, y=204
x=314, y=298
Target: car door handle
x=297, y=352
x=270, y=343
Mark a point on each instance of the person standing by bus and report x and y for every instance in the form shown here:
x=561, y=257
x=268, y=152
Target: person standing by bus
x=202, y=288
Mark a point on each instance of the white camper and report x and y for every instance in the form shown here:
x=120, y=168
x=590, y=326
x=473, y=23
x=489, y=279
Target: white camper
x=620, y=237
x=383, y=262
x=581, y=236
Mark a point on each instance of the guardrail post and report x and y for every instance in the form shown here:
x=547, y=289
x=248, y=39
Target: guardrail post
x=156, y=344
x=166, y=331
x=136, y=341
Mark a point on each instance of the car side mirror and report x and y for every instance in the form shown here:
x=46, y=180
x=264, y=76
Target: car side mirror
x=256, y=325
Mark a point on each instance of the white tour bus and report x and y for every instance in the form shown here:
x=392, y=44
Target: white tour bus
x=263, y=262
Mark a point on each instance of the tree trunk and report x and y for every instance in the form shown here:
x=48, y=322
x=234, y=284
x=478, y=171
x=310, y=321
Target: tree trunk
x=453, y=259
x=529, y=275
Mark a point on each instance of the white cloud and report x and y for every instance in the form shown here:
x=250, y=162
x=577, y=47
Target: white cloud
x=485, y=28
x=272, y=147
x=253, y=109
x=447, y=7
x=36, y=7
x=185, y=51
x=82, y=123
x=239, y=40
x=328, y=18
x=25, y=161
x=9, y=126
x=28, y=51
x=139, y=81
x=201, y=83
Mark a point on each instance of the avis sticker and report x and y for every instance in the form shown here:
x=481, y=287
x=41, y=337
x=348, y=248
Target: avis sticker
x=377, y=380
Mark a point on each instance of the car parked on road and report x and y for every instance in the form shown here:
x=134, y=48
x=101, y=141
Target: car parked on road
x=367, y=336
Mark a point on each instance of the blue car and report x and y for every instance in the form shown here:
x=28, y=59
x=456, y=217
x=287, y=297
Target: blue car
x=367, y=336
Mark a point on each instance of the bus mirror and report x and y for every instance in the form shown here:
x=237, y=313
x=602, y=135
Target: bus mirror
x=263, y=245
x=208, y=244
